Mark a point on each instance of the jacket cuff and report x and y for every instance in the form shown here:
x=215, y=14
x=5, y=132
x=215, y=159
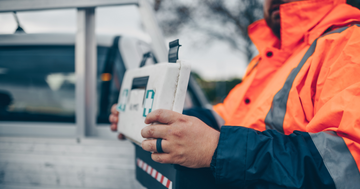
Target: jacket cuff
x=229, y=160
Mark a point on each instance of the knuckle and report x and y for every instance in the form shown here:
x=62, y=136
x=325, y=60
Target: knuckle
x=182, y=120
x=151, y=131
x=157, y=158
x=160, y=159
x=160, y=111
x=158, y=114
x=179, y=154
x=177, y=133
x=145, y=145
x=113, y=127
x=151, y=146
x=112, y=118
x=178, y=159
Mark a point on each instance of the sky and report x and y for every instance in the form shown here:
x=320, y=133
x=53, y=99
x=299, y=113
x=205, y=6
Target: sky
x=213, y=61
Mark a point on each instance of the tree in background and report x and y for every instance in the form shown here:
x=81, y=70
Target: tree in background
x=218, y=19
x=224, y=20
x=215, y=91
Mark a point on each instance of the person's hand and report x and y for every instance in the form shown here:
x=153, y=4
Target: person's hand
x=187, y=141
x=114, y=119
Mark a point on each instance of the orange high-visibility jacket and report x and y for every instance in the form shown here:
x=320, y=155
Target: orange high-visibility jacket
x=308, y=81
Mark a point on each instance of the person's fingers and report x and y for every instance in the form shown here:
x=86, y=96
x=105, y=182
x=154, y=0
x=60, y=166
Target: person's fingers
x=121, y=136
x=114, y=110
x=155, y=131
x=161, y=116
x=162, y=158
x=150, y=145
x=113, y=118
x=113, y=127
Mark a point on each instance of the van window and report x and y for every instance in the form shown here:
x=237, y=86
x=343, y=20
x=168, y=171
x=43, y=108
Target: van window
x=37, y=83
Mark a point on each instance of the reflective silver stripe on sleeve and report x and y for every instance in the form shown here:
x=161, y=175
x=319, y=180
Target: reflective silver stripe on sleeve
x=337, y=159
x=275, y=117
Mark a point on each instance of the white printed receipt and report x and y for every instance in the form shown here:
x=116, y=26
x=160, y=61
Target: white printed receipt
x=143, y=90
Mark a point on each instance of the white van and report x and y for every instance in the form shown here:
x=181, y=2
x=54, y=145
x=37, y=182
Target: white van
x=37, y=81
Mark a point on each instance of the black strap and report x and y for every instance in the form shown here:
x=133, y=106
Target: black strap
x=174, y=51
x=144, y=59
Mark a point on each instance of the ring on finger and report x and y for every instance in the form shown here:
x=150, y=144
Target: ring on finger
x=158, y=145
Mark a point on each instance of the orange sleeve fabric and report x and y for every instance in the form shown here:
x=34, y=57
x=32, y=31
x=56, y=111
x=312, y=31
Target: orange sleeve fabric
x=336, y=95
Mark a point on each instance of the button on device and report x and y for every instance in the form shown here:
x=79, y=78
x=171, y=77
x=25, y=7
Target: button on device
x=269, y=54
x=247, y=101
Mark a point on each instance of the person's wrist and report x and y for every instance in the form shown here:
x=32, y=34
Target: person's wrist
x=213, y=143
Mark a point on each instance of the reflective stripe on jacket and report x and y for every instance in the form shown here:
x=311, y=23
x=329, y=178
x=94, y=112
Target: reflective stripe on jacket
x=299, y=103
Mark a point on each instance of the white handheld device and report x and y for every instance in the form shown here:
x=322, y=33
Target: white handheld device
x=145, y=89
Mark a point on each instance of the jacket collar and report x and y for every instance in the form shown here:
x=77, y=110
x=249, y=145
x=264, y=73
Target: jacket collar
x=302, y=21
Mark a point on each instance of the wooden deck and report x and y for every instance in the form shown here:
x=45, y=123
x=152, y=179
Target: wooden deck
x=39, y=163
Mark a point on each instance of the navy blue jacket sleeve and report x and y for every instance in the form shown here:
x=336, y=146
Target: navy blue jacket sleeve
x=246, y=158
x=204, y=115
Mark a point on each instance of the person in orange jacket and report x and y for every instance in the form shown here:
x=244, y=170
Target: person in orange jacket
x=294, y=121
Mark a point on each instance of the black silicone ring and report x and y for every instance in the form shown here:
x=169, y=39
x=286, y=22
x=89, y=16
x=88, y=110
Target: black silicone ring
x=158, y=145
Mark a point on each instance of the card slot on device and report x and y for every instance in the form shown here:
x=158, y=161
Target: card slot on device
x=146, y=89
x=140, y=82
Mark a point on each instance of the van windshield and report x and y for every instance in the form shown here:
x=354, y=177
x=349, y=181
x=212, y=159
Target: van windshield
x=37, y=83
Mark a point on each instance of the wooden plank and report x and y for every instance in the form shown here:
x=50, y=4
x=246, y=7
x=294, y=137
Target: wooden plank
x=26, y=186
x=66, y=176
x=84, y=141
x=37, y=129
x=38, y=163
x=119, y=163
x=39, y=140
x=36, y=168
x=122, y=179
x=135, y=185
x=67, y=150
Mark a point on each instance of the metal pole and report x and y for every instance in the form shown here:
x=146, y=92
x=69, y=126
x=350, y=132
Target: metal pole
x=85, y=68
